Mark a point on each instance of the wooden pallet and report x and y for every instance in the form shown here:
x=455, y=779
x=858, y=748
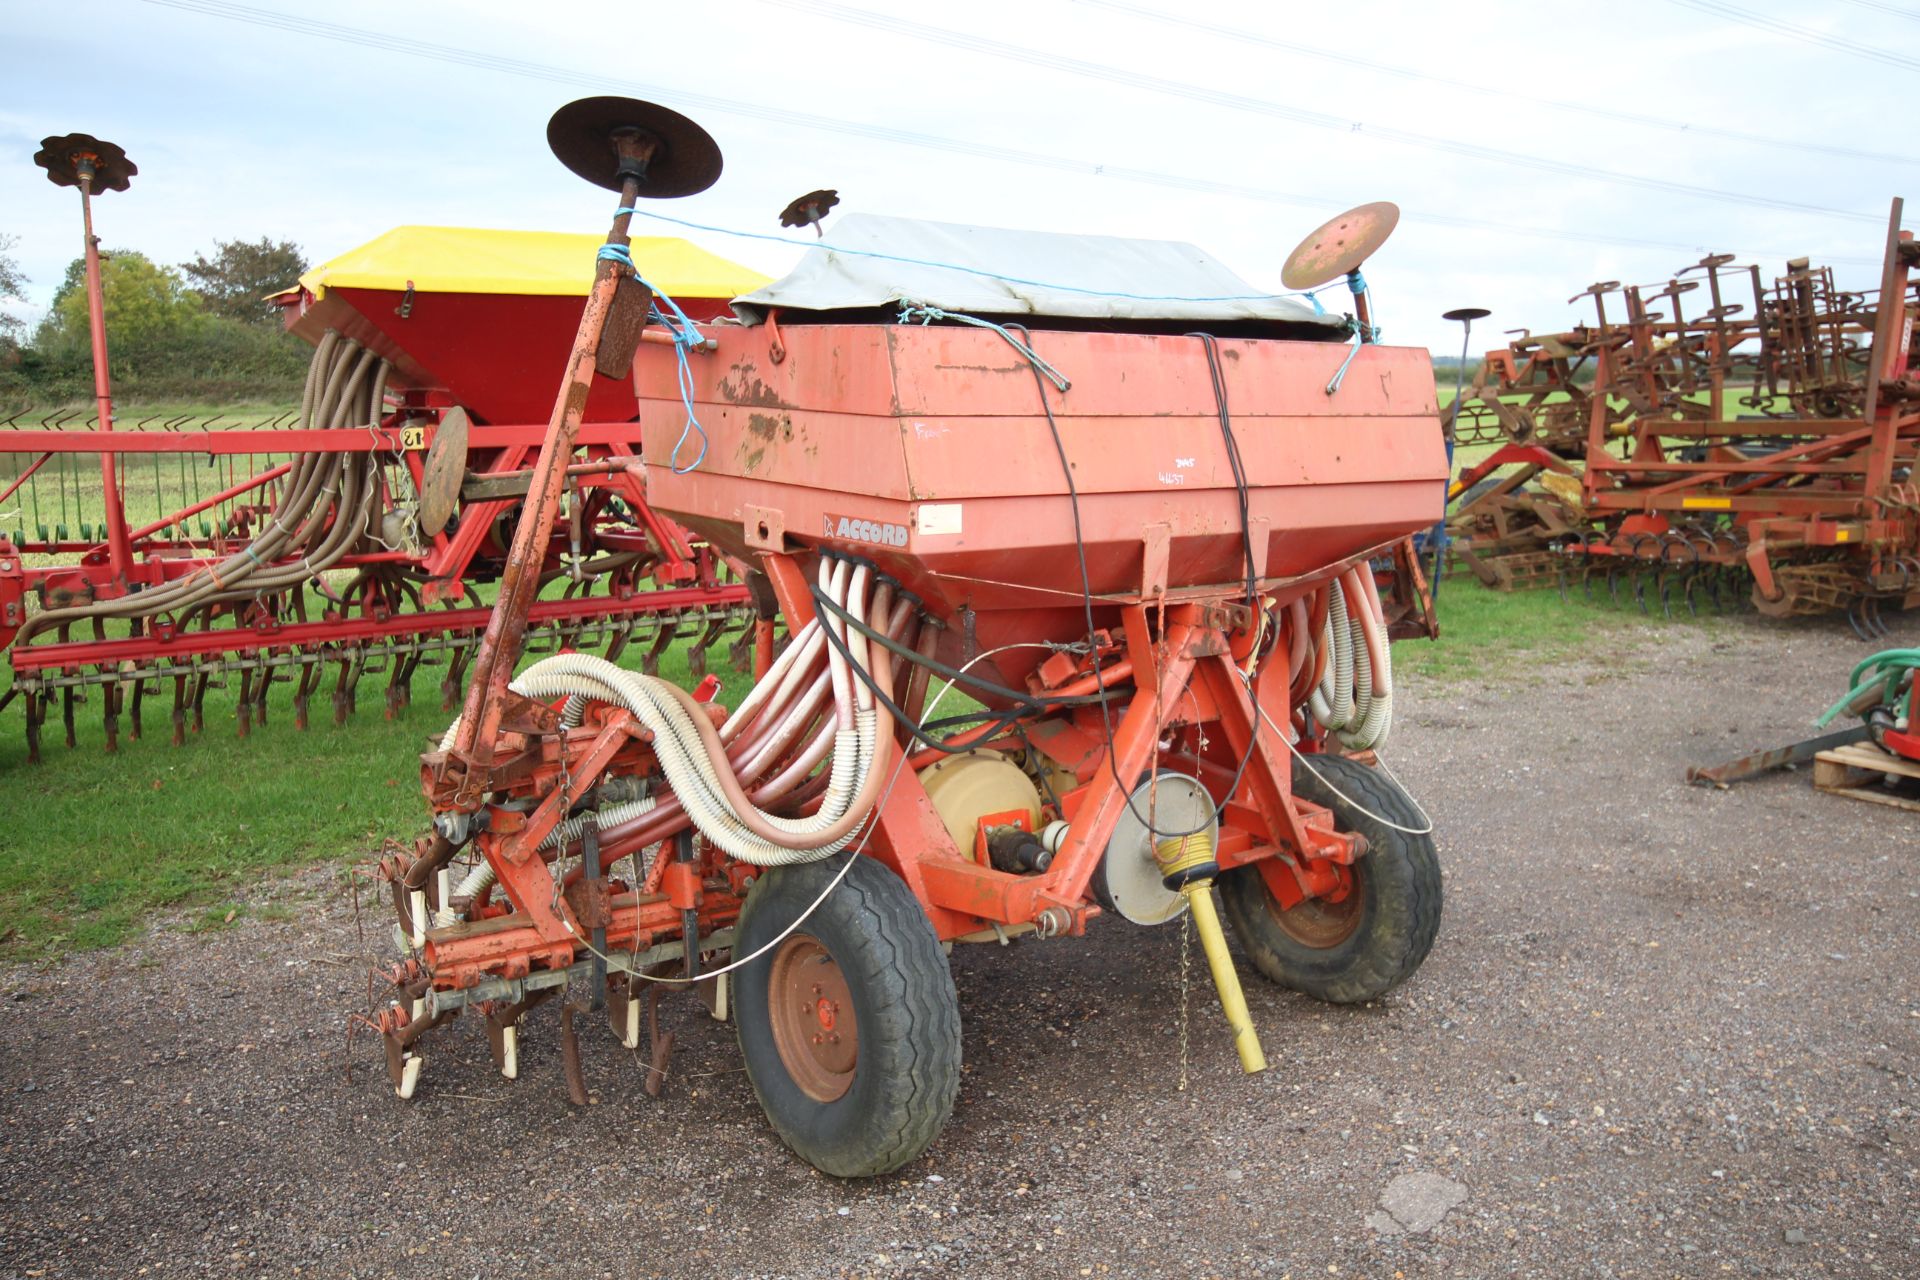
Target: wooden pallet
x=1857, y=771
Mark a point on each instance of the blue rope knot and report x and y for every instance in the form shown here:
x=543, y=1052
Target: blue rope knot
x=686, y=336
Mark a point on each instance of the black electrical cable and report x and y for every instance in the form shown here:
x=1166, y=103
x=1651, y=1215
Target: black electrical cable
x=1086, y=579
x=1003, y=720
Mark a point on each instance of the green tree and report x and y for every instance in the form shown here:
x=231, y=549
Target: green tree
x=236, y=280
x=13, y=283
x=149, y=308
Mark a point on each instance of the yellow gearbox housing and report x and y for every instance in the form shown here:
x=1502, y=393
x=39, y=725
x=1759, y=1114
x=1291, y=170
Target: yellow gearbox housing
x=967, y=788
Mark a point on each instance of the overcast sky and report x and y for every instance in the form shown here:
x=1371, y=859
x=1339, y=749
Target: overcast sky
x=328, y=124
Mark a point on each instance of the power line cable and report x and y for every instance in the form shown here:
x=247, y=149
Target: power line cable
x=1285, y=111
x=1805, y=35
x=1242, y=35
x=1897, y=11
x=422, y=50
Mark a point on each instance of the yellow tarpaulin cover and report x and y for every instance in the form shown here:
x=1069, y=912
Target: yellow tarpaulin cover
x=476, y=260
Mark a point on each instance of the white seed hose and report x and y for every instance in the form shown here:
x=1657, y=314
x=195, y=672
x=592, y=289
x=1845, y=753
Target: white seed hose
x=1353, y=700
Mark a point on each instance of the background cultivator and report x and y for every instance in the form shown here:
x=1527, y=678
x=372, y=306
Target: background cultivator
x=1148, y=554
x=1707, y=440
x=360, y=536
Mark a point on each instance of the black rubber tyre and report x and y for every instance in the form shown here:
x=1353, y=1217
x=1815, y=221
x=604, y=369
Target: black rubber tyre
x=870, y=1107
x=1360, y=949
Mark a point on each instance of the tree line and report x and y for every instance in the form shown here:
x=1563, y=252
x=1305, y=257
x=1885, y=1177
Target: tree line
x=199, y=331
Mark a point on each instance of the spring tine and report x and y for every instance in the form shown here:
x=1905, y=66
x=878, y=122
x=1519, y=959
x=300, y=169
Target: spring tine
x=662, y=641
x=261, y=688
x=200, y=679
x=179, y=710
x=397, y=686
x=617, y=637
x=1686, y=592
x=133, y=715
x=36, y=713
x=1640, y=589
x=1853, y=618
x=452, y=682
x=110, y=696
x=243, y=709
x=740, y=651
x=303, y=692
x=66, y=712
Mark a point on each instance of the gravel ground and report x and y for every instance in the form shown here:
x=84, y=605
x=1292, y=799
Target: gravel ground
x=1665, y=1032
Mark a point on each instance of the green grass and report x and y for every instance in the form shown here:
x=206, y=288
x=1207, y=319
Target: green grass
x=1493, y=635
x=101, y=843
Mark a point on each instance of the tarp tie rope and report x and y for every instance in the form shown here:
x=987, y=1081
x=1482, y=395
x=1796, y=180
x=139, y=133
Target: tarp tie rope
x=686, y=336
x=911, y=313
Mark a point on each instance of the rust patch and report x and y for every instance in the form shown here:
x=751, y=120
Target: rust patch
x=743, y=386
x=767, y=425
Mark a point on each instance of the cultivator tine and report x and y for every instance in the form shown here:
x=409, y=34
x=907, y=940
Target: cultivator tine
x=68, y=696
x=36, y=715
x=243, y=709
x=740, y=652
x=454, y=682
x=662, y=641
x=261, y=687
x=503, y=1031
x=201, y=680
x=110, y=702
x=570, y=1056
x=303, y=692
x=659, y=1047
x=346, y=683
x=1640, y=590
x=697, y=655
x=133, y=712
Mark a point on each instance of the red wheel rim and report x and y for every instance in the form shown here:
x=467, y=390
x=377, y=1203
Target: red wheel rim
x=1321, y=923
x=811, y=1009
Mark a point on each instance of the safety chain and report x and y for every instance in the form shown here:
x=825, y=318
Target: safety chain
x=1186, y=989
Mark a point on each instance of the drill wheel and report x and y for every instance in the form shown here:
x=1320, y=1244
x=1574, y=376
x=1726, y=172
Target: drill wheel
x=1373, y=939
x=849, y=1025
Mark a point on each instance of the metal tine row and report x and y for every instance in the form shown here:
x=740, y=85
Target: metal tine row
x=124, y=691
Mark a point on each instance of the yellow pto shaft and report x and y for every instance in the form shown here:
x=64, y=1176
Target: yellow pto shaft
x=1187, y=864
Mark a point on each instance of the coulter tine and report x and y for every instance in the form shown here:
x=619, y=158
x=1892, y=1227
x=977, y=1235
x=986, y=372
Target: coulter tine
x=110, y=696
x=243, y=708
x=200, y=702
x=179, y=710
x=133, y=713
x=67, y=700
x=570, y=1057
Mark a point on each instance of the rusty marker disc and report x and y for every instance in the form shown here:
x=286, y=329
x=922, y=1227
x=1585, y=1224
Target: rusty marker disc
x=441, y=474
x=1340, y=244
x=686, y=160
x=60, y=157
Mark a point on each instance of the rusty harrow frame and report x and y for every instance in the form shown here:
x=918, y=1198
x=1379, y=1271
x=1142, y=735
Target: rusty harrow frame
x=1759, y=444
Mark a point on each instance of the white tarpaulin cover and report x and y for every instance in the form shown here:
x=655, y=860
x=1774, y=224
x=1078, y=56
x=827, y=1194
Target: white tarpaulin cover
x=1041, y=273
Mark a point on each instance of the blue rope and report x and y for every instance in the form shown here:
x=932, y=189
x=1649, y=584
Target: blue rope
x=685, y=337
x=910, y=312
x=972, y=271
